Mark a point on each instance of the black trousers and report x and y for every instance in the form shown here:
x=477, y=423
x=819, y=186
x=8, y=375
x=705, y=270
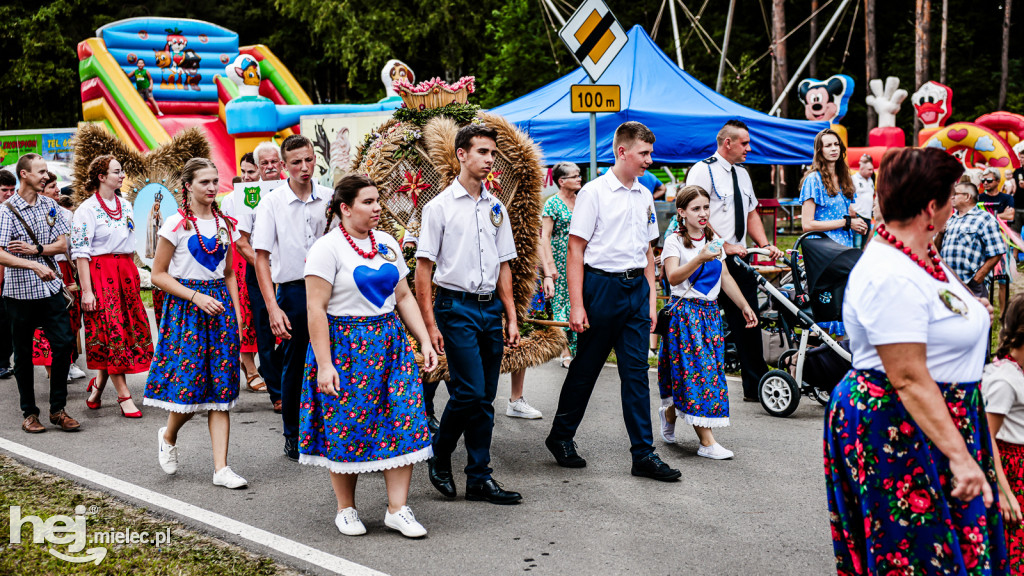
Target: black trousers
x=620, y=319
x=747, y=340
x=6, y=346
x=51, y=315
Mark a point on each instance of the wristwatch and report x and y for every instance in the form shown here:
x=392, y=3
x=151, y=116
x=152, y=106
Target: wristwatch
x=39, y=249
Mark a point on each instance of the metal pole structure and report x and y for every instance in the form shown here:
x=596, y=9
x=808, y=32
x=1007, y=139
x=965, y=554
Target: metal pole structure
x=675, y=33
x=725, y=46
x=814, y=48
x=593, y=145
x=554, y=11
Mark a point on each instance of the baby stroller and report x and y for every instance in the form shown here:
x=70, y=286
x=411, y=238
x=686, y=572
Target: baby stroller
x=827, y=266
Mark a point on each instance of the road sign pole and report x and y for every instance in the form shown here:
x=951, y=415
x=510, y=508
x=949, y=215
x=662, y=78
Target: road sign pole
x=593, y=145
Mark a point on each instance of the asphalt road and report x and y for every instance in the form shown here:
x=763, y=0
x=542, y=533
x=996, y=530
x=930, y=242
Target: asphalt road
x=762, y=513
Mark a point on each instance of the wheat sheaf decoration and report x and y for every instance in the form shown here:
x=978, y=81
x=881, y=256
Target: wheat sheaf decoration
x=412, y=159
x=160, y=165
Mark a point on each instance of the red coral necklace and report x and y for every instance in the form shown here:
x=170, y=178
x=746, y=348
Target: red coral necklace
x=368, y=255
x=934, y=268
x=202, y=243
x=114, y=214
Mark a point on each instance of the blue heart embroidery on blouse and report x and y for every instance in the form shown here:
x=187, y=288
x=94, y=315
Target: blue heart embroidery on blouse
x=376, y=285
x=709, y=276
x=208, y=261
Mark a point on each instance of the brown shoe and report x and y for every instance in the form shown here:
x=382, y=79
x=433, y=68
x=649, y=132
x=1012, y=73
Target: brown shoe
x=277, y=406
x=64, y=422
x=32, y=425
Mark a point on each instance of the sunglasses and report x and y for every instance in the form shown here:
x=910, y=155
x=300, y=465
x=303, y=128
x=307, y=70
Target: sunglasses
x=988, y=180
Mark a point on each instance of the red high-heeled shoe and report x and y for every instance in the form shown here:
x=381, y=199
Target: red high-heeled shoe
x=88, y=390
x=121, y=400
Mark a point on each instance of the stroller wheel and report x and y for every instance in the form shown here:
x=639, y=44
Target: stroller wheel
x=822, y=396
x=779, y=393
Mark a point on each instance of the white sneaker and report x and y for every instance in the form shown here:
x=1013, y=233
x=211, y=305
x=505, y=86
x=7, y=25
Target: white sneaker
x=715, y=452
x=74, y=373
x=348, y=522
x=404, y=522
x=227, y=478
x=668, y=429
x=167, y=454
x=520, y=409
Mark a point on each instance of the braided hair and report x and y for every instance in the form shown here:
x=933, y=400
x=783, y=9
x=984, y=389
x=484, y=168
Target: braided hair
x=188, y=174
x=683, y=198
x=345, y=193
x=1011, y=335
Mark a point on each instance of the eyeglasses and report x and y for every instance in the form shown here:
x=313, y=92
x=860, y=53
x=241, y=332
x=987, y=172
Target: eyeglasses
x=115, y=172
x=988, y=180
x=573, y=177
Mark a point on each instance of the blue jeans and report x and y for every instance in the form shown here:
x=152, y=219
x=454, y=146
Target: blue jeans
x=473, y=344
x=619, y=314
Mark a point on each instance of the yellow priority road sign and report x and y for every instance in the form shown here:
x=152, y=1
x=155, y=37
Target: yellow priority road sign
x=594, y=36
x=595, y=98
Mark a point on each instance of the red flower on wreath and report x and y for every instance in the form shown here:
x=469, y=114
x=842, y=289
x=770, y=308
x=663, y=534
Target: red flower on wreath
x=413, y=184
x=492, y=183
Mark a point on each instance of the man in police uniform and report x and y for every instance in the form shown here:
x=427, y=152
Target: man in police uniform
x=734, y=217
x=465, y=231
x=610, y=275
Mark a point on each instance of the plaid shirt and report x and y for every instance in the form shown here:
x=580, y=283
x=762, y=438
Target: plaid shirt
x=970, y=240
x=48, y=224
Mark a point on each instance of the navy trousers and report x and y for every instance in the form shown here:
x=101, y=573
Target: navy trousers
x=270, y=355
x=747, y=340
x=6, y=346
x=291, y=297
x=619, y=314
x=51, y=315
x=473, y=345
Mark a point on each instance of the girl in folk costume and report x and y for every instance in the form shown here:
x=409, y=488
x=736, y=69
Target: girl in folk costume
x=362, y=401
x=40, y=345
x=691, y=367
x=1002, y=385
x=117, y=336
x=196, y=363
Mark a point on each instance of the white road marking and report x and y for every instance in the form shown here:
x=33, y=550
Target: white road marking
x=216, y=521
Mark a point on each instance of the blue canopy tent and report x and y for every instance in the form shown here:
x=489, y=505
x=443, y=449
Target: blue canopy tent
x=684, y=114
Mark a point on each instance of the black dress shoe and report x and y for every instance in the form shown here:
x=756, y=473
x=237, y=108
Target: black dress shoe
x=6, y=372
x=291, y=448
x=565, y=453
x=433, y=424
x=653, y=467
x=492, y=492
x=441, y=476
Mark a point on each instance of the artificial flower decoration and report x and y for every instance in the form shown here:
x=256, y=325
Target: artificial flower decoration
x=492, y=183
x=413, y=184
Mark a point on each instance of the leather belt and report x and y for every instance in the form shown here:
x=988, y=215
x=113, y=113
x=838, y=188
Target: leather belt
x=457, y=294
x=628, y=274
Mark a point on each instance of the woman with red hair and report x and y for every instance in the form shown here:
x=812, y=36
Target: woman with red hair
x=117, y=335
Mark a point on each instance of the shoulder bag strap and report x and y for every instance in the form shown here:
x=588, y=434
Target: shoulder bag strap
x=50, y=262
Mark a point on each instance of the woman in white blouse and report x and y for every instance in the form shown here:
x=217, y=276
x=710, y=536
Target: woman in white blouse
x=117, y=334
x=909, y=469
x=362, y=399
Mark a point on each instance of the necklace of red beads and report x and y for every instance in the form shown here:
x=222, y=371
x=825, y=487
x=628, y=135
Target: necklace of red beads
x=934, y=268
x=368, y=255
x=114, y=214
x=202, y=244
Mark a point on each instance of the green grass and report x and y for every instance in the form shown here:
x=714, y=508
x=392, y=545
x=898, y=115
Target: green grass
x=44, y=495
x=147, y=298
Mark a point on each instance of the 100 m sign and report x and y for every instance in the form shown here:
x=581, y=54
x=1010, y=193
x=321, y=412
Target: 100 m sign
x=594, y=98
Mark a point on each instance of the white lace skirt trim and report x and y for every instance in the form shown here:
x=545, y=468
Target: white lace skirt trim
x=705, y=422
x=190, y=408
x=364, y=467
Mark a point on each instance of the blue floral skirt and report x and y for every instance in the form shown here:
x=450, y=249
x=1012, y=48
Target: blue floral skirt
x=889, y=489
x=378, y=420
x=195, y=367
x=691, y=365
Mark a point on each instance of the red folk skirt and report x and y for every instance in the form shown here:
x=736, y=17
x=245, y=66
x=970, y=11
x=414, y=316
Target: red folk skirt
x=117, y=334
x=1013, y=465
x=247, y=331
x=40, y=345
